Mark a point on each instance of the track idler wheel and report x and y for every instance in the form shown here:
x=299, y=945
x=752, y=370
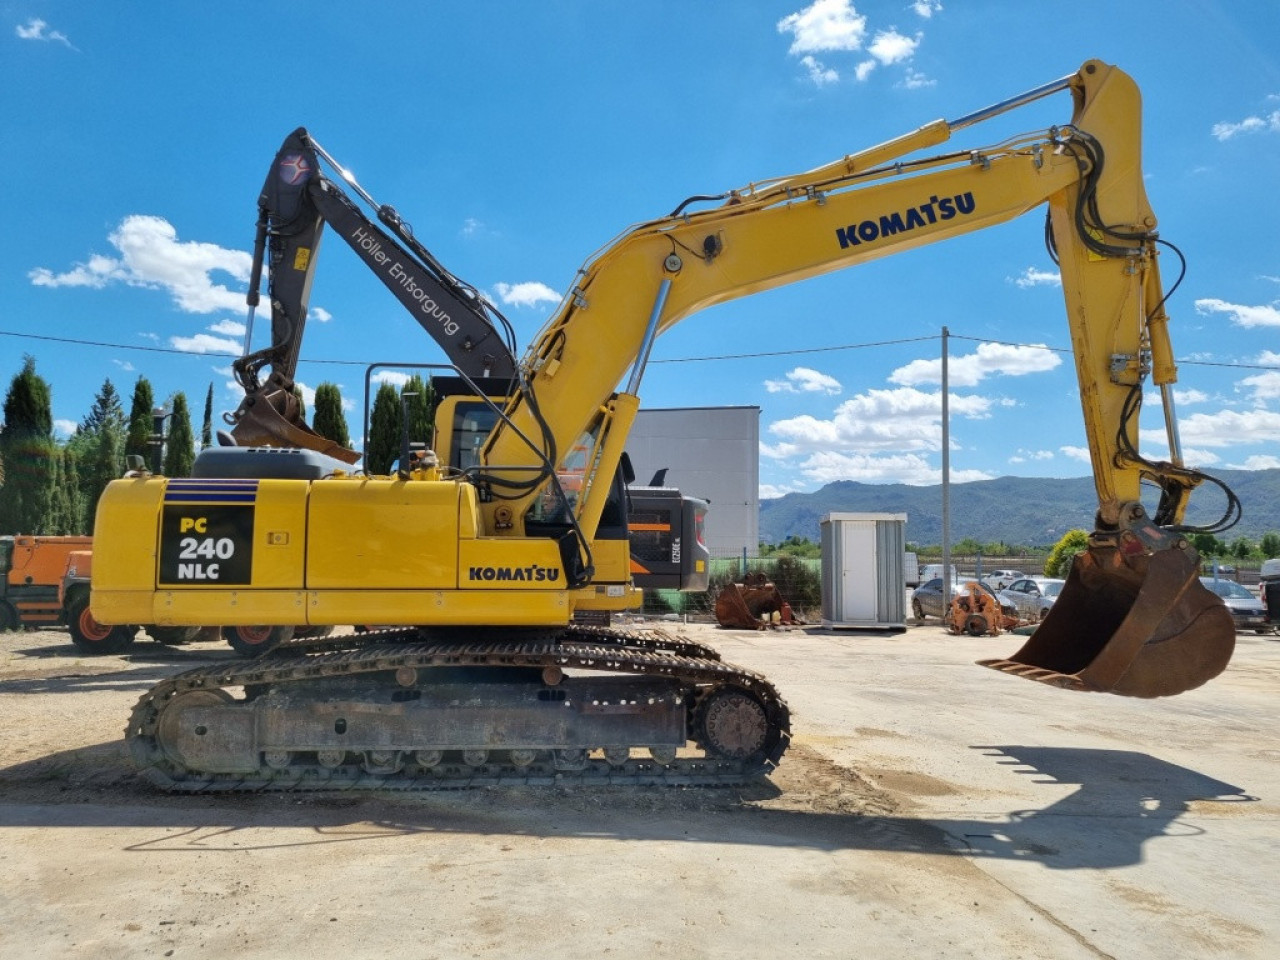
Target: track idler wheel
x=1132, y=619
x=733, y=724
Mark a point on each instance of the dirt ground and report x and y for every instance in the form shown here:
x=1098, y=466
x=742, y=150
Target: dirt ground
x=926, y=808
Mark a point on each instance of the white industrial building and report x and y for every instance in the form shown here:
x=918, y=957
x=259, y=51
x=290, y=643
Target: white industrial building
x=712, y=453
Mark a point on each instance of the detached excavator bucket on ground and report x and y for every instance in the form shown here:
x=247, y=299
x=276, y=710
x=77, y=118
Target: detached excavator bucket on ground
x=751, y=605
x=1132, y=619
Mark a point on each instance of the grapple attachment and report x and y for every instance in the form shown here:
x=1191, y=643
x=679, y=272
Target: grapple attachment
x=271, y=418
x=1132, y=619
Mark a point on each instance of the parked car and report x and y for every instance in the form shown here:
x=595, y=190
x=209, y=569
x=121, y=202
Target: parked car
x=926, y=599
x=1246, y=609
x=1032, y=596
x=1000, y=579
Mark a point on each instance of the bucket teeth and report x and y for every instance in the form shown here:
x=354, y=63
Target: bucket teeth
x=1040, y=675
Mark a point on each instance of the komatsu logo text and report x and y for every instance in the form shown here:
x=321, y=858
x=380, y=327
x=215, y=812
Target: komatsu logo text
x=527, y=574
x=938, y=208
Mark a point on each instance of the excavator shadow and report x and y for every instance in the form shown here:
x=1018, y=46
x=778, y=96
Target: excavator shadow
x=1124, y=800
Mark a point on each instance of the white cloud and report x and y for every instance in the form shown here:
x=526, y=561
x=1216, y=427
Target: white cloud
x=890, y=47
x=990, y=359
x=204, y=343
x=1022, y=456
x=829, y=466
x=232, y=328
x=1075, y=453
x=37, y=29
x=64, y=428
x=1180, y=397
x=319, y=314
x=393, y=377
x=1226, y=428
x=836, y=27
x=804, y=380
x=1252, y=124
x=1031, y=277
x=152, y=257
x=927, y=8
x=825, y=25
x=769, y=491
x=124, y=365
x=528, y=294
x=1258, y=462
x=915, y=80
x=1265, y=386
x=819, y=73
x=903, y=419
x=1241, y=316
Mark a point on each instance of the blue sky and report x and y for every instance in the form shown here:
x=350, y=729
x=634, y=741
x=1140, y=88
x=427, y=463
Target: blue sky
x=518, y=138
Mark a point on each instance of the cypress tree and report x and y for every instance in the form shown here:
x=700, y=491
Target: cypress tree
x=179, y=451
x=98, y=444
x=383, y=443
x=206, y=429
x=27, y=450
x=138, y=440
x=328, y=420
x=421, y=409
x=73, y=503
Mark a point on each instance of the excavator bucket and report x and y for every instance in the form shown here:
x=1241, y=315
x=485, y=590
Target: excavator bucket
x=1132, y=619
x=751, y=605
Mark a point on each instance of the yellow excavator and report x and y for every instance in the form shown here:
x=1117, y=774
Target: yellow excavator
x=492, y=558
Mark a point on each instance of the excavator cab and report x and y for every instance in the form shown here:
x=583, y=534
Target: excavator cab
x=1132, y=619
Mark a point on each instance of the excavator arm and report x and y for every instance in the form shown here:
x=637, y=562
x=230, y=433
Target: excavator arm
x=1137, y=621
x=296, y=203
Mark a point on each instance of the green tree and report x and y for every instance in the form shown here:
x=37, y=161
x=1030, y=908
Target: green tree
x=1064, y=553
x=328, y=420
x=206, y=428
x=1207, y=545
x=383, y=442
x=179, y=448
x=1241, y=548
x=302, y=404
x=98, y=444
x=138, y=438
x=421, y=409
x=69, y=502
x=794, y=546
x=27, y=452
x=1269, y=545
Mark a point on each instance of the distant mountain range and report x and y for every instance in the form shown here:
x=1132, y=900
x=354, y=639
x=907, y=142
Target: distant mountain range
x=1020, y=511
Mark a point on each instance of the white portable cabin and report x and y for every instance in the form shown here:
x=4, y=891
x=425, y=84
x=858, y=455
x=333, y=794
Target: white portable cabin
x=863, y=584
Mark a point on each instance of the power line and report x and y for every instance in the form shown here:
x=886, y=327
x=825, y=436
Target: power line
x=725, y=356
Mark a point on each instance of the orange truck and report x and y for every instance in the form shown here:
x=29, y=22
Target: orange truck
x=31, y=572
x=44, y=582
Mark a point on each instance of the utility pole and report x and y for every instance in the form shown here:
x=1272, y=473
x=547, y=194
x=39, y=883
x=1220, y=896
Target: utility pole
x=946, y=482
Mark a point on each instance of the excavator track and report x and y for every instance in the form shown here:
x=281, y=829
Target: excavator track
x=736, y=724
